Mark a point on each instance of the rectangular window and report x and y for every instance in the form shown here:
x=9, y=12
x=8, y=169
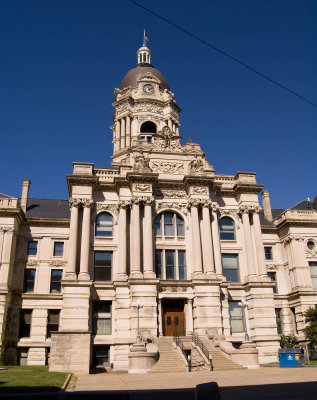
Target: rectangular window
x=25, y=323
x=32, y=248
x=158, y=263
x=278, y=314
x=272, y=276
x=101, y=320
x=236, y=317
x=180, y=226
x=230, y=267
x=268, y=253
x=23, y=355
x=101, y=356
x=294, y=320
x=170, y=264
x=29, y=279
x=168, y=224
x=157, y=225
x=103, y=265
x=56, y=280
x=52, y=322
x=58, y=249
x=181, y=264
x=313, y=273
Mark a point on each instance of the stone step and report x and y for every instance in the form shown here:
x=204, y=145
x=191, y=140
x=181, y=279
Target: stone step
x=169, y=358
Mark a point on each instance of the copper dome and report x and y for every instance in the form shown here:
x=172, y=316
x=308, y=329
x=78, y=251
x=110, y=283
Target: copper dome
x=138, y=71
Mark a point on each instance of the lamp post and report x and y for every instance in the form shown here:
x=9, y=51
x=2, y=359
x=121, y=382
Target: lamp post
x=137, y=304
x=244, y=304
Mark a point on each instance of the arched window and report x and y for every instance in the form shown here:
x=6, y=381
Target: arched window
x=104, y=224
x=169, y=224
x=227, y=231
x=148, y=127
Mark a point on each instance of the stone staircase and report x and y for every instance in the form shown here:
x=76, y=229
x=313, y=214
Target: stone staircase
x=219, y=361
x=169, y=358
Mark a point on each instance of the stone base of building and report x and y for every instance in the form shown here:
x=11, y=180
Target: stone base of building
x=70, y=352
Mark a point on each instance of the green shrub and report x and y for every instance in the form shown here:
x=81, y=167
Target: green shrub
x=311, y=329
x=288, y=341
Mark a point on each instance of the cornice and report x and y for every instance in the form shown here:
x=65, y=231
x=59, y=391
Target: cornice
x=247, y=188
x=198, y=179
x=12, y=212
x=144, y=177
x=61, y=222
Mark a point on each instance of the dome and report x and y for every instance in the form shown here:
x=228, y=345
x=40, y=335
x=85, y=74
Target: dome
x=138, y=71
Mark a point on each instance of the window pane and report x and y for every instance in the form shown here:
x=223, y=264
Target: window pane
x=313, y=273
x=236, y=320
x=58, y=249
x=230, y=268
x=181, y=264
x=157, y=226
x=102, y=319
x=170, y=264
x=278, y=314
x=158, y=263
x=25, y=323
x=56, y=277
x=168, y=224
x=268, y=253
x=226, y=226
x=104, y=225
x=29, y=278
x=32, y=248
x=180, y=226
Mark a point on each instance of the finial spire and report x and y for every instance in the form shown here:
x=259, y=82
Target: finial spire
x=145, y=39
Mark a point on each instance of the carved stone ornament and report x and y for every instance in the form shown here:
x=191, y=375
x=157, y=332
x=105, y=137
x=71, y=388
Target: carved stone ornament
x=57, y=263
x=74, y=202
x=5, y=229
x=148, y=107
x=271, y=267
x=139, y=200
x=214, y=207
x=246, y=209
x=182, y=207
x=77, y=202
x=200, y=190
x=87, y=203
x=142, y=187
x=141, y=163
x=124, y=204
x=174, y=194
x=233, y=213
x=197, y=164
x=174, y=289
x=311, y=252
x=31, y=262
x=168, y=167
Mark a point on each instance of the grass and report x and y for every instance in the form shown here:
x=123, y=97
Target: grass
x=312, y=362
x=28, y=379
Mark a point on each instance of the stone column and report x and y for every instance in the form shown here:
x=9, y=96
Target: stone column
x=190, y=329
x=295, y=254
x=122, y=244
x=216, y=239
x=244, y=210
x=160, y=317
x=259, y=243
x=122, y=138
x=148, y=240
x=2, y=230
x=85, y=241
x=135, y=239
x=208, y=257
x=128, y=132
x=73, y=232
x=7, y=248
x=117, y=137
x=197, y=262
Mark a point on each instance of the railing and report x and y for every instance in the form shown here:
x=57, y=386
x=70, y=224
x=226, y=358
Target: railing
x=203, y=348
x=180, y=344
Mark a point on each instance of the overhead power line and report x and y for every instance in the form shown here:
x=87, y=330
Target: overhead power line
x=224, y=53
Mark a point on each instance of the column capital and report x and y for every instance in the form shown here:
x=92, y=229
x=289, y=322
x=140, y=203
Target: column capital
x=87, y=203
x=9, y=229
x=247, y=209
x=148, y=200
x=189, y=301
x=125, y=204
x=206, y=204
x=193, y=203
x=214, y=207
x=74, y=202
x=140, y=200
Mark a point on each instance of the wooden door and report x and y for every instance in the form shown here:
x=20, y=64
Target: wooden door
x=174, y=323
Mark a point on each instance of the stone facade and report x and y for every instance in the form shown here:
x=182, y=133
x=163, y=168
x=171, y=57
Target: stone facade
x=160, y=227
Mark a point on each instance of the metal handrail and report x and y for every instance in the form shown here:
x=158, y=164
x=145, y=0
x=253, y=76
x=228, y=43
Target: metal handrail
x=180, y=344
x=201, y=345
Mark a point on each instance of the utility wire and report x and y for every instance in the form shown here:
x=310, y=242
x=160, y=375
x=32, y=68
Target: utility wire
x=224, y=53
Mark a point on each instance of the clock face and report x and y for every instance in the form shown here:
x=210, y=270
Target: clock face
x=148, y=89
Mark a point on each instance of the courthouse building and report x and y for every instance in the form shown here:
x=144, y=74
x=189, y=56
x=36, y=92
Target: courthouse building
x=159, y=226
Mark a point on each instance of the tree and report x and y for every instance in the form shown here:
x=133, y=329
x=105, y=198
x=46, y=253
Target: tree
x=311, y=329
x=288, y=341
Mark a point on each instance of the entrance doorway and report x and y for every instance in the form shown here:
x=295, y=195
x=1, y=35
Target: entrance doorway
x=173, y=318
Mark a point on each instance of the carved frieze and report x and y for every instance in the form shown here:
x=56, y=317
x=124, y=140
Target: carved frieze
x=203, y=190
x=148, y=107
x=174, y=194
x=182, y=207
x=57, y=263
x=197, y=165
x=174, y=289
x=168, y=167
x=31, y=262
x=142, y=187
x=5, y=229
x=232, y=213
x=107, y=207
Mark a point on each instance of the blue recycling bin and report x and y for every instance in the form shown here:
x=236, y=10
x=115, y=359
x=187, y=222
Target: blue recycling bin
x=290, y=358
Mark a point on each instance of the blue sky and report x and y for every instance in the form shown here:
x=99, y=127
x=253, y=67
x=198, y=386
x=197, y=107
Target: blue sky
x=61, y=60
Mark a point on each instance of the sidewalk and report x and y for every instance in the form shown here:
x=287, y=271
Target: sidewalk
x=234, y=384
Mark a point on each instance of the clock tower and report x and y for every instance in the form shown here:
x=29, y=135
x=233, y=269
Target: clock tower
x=145, y=111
